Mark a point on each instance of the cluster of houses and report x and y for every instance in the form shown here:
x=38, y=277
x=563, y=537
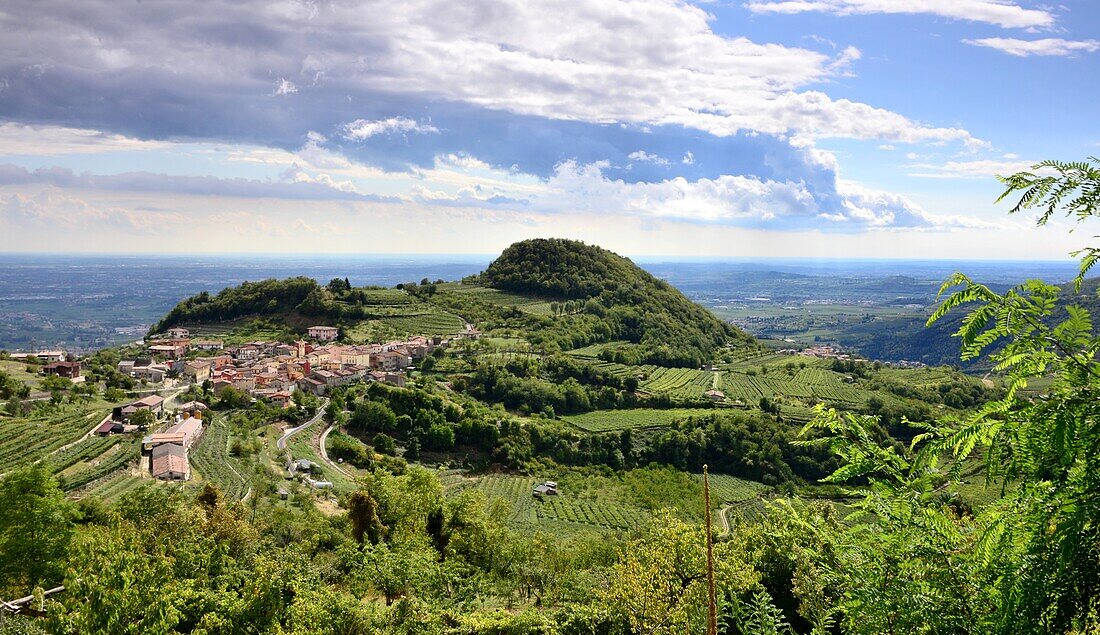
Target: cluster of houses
x=168, y=450
x=273, y=370
x=822, y=350
x=55, y=363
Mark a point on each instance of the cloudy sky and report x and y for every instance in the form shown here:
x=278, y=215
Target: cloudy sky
x=842, y=128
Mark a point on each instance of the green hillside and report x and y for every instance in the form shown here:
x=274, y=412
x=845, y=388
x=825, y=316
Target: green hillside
x=658, y=324
x=557, y=294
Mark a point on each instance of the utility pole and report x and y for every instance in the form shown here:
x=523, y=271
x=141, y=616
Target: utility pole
x=712, y=599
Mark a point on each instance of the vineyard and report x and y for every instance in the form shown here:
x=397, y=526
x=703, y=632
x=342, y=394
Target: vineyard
x=607, y=420
x=678, y=382
x=601, y=502
x=114, y=486
x=85, y=450
x=24, y=441
x=431, y=322
x=210, y=457
x=117, y=457
x=240, y=331
x=527, y=304
x=559, y=512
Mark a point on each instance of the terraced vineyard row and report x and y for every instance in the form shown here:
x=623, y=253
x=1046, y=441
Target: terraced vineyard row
x=384, y=297
x=113, y=487
x=535, y=306
x=561, y=508
x=606, y=420
x=426, y=324
x=726, y=489
x=563, y=512
x=87, y=449
x=819, y=377
x=210, y=457
x=515, y=490
x=25, y=441
x=119, y=456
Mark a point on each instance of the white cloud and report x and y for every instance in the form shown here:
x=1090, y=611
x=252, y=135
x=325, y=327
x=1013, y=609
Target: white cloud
x=976, y=169
x=52, y=208
x=645, y=157
x=1003, y=13
x=362, y=129
x=878, y=208
x=642, y=62
x=1044, y=47
x=285, y=87
x=689, y=158
x=22, y=139
x=741, y=201
x=727, y=199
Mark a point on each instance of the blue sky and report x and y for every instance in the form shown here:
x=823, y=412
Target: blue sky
x=824, y=128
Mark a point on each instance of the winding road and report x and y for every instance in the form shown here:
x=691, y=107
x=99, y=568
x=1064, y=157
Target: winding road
x=324, y=453
x=281, y=443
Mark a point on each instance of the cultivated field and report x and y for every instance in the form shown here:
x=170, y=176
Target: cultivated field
x=606, y=420
x=211, y=459
x=24, y=441
x=527, y=304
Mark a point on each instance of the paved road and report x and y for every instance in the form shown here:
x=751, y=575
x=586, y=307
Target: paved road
x=293, y=431
x=324, y=454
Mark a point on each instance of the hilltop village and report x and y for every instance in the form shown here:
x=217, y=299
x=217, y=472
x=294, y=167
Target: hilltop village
x=263, y=370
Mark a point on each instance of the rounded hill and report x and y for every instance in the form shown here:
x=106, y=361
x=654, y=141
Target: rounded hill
x=661, y=325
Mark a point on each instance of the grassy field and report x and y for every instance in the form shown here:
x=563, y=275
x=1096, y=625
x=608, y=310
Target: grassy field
x=18, y=370
x=304, y=445
x=605, y=420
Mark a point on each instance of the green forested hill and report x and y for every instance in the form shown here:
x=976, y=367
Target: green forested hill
x=659, y=323
x=596, y=297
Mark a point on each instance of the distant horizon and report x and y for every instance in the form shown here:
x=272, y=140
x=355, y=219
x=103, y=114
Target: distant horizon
x=477, y=257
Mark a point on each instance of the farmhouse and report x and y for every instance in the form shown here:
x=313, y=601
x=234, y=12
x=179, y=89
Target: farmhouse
x=70, y=370
x=323, y=333
x=208, y=345
x=547, y=488
x=390, y=360
x=155, y=403
x=169, y=462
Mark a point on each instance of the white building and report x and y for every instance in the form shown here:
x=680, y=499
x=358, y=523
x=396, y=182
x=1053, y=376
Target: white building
x=323, y=333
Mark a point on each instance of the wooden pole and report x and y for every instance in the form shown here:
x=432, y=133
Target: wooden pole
x=712, y=598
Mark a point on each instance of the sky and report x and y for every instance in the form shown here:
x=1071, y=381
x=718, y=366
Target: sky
x=735, y=129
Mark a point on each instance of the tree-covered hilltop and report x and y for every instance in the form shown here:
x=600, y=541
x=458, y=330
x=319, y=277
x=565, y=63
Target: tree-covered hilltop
x=296, y=302
x=266, y=297
x=561, y=268
x=661, y=325
x=595, y=296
